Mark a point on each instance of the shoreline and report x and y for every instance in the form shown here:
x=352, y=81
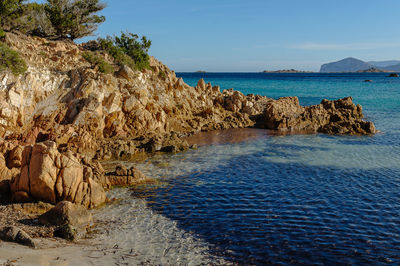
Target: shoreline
x=93, y=250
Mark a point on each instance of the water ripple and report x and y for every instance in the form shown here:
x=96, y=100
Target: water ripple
x=257, y=211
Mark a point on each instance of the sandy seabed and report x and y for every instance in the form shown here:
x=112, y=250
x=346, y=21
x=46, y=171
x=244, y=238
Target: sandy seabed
x=128, y=232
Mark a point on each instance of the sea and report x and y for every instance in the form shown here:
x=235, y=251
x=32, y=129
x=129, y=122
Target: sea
x=254, y=197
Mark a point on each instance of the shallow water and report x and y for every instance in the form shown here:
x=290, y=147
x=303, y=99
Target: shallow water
x=297, y=199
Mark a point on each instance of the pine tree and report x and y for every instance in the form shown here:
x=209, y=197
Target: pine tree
x=9, y=11
x=74, y=19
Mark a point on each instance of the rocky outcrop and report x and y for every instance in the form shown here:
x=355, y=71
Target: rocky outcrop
x=331, y=117
x=62, y=113
x=50, y=176
x=61, y=98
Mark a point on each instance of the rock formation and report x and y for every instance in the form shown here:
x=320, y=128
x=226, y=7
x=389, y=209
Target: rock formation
x=62, y=113
x=331, y=117
x=50, y=176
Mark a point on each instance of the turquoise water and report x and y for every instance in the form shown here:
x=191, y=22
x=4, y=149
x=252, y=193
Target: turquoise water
x=296, y=199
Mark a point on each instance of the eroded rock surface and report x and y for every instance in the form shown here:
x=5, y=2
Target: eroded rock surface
x=50, y=176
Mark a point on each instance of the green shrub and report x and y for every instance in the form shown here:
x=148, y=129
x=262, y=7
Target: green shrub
x=10, y=59
x=116, y=52
x=162, y=74
x=97, y=61
x=128, y=50
x=2, y=34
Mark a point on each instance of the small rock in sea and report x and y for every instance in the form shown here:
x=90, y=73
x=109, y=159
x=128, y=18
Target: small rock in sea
x=394, y=75
x=170, y=148
x=16, y=235
x=123, y=176
x=67, y=232
x=194, y=146
x=368, y=80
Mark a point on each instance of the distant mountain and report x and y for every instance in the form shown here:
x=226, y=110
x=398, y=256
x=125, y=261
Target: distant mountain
x=395, y=68
x=382, y=64
x=349, y=64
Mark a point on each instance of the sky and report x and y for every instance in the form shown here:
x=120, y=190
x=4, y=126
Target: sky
x=257, y=35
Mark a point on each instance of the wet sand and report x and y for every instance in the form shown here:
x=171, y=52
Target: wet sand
x=55, y=252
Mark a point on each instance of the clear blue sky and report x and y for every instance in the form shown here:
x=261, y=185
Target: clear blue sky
x=253, y=35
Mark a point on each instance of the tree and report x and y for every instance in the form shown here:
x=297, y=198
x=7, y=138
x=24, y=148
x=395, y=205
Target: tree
x=74, y=19
x=9, y=11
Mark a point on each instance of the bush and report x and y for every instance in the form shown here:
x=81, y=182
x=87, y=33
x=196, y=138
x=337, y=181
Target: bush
x=127, y=50
x=162, y=74
x=74, y=19
x=11, y=60
x=97, y=61
x=116, y=52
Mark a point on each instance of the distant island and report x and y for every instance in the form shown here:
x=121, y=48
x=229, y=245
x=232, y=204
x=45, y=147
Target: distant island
x=287, y=71
x=355, y=65
x=201, y=71
x=374, y=70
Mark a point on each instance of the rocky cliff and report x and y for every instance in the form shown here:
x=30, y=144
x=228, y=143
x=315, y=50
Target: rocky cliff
x=61, y=116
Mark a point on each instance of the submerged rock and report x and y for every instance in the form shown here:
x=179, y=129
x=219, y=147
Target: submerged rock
x=67, y=232
x=123, y=176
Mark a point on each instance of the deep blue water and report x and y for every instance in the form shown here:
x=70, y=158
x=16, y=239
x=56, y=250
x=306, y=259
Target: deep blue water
x=296, y=199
